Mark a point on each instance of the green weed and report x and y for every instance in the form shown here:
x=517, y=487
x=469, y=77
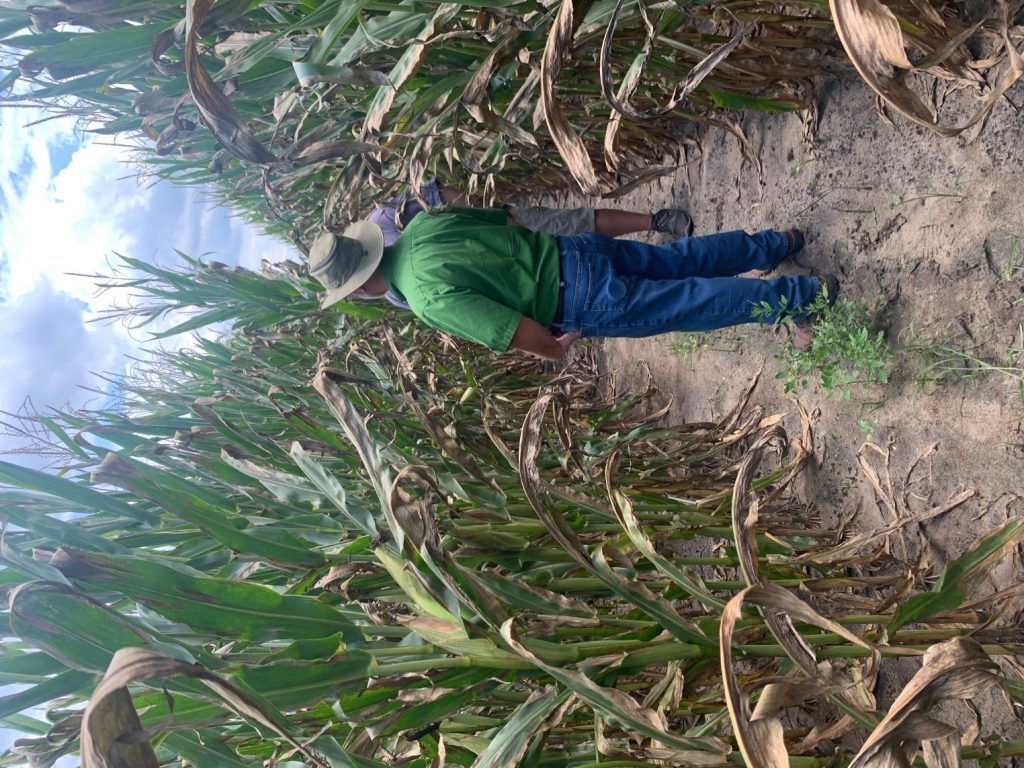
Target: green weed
x=944, y=360
x=1014, y=263
x=686, y=344
x=846, y=351
x=868, y=427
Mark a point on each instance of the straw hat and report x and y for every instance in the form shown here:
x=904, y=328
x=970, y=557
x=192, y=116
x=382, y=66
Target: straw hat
x=342, y=263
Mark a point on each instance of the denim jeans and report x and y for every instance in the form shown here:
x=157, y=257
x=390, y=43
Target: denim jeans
x=627, y=288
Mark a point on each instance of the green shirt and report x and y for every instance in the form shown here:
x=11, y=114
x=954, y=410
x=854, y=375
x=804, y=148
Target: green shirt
x=467, y=272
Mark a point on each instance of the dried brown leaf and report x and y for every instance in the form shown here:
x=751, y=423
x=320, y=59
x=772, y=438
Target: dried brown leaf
x=213, y=106
x=955, y=669
x=571, y=148
x=112, y=734
x=871, y=35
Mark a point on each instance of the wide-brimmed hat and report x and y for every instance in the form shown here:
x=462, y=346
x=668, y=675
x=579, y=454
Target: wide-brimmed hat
x=342, y=263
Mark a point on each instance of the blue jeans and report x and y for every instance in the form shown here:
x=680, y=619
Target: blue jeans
x=626, y=288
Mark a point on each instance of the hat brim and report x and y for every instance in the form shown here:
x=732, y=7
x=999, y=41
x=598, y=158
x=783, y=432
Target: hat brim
x=371, y=238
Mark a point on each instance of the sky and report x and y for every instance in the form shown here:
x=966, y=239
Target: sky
x=68, y=202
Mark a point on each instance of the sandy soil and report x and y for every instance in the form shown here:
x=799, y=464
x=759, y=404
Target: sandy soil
x=924, y=226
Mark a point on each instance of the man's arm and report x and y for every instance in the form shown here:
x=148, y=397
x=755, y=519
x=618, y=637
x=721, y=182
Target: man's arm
x=532, y=337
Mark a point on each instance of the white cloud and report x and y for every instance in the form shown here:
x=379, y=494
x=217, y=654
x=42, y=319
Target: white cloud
x=49, y=353
x=67, y=203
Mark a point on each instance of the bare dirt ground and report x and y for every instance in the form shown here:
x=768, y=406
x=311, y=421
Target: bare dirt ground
x=924, y=228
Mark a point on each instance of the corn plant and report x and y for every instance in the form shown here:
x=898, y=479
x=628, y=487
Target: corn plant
x=335, y=541
x=299, y=114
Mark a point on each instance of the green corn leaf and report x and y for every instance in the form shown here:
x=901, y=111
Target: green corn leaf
x=412, y=586
x=74, y=492
x=29, y=568
x=284, y=486
x=510, y=743
x=321, y=648
x=741, y=101
x=960, y=576
x=60, y=434
x=66, y=683
x=289, y=685
x=187, y=504
x=412, y=717
x=203, y=747
x=52, y=529
x=72, y=54
x=68, y=626
x=225, y=607
x=27, y=667
x=353, y=511
x=211, y=317
x=343, y=18
x=26, y=724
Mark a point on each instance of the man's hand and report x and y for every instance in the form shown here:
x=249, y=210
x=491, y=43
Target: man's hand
x=532, y=337
x=565, y=341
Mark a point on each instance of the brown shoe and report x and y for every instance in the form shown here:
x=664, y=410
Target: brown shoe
x=803, y=329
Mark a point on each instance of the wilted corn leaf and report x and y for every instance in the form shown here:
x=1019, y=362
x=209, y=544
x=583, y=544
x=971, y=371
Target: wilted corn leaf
x=520, y=596
x=744, y=518
x=369, y=453
x=453, y=638
x=873, y=40
x=955, y=669
x=111, y=730
x=620, y=707
x=620, y=101
x=569, y=145
x=760, y=741
x=474, y=98
x=309, y=74
x=760, y=734
x=323, y=151
x=624, y=511
x=284, y=486
x=530, y=443
x=438, y=429
x=534, y=717
x=405, y=67
x=211, y=103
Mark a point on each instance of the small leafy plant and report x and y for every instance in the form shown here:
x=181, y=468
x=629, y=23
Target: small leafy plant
x=945, y=360
x=845, y=351
x=1014, y=263
x=686, y=344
